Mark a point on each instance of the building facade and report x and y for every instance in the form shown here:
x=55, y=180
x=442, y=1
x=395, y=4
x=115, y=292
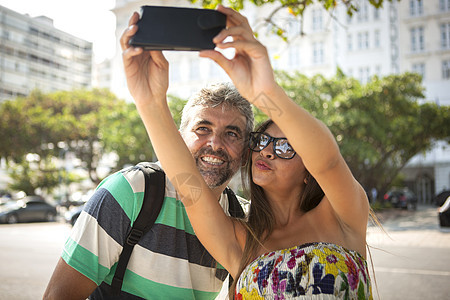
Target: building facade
x=405, y=36
x=36, y=55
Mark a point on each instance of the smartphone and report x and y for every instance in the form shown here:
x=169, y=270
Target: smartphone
x=177, y=28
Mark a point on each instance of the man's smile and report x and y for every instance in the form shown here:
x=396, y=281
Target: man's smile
x=212, y=160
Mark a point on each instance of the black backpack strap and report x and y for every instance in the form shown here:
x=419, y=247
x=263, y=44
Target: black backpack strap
x=155, y=186
x=234, y=206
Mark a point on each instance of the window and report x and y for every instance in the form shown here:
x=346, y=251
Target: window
x=294, y=57
x=416, y=7
x=419, y=68
x=349, y=42
x=317, y=19
x=444, y=5
x=349, y=18
x=445, y=36
x=294, y=26
x=364, y=76
x=194, y=72
x=376, y=14
x=378, y=70
x=363, y=13
x=350, y=72
x=214, y=70
x=417, y=39
x=174, y=72
x=363, y=40
x=318, y=53
x=446, y=69
x=376, y=41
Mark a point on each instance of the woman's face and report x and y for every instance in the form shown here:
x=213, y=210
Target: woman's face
x=274, y=173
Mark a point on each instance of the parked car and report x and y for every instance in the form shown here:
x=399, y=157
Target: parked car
x=401, y=198
x=440, y=198
x=444, y=213
x=28, y=209
x=72, y=215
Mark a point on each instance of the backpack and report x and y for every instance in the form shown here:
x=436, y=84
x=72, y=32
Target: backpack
x=155, y=186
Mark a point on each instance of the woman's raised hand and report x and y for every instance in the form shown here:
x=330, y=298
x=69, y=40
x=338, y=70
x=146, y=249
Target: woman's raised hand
x=147, y=72
x=250, y=69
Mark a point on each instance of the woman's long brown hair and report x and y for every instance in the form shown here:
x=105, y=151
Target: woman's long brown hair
x=261, y=219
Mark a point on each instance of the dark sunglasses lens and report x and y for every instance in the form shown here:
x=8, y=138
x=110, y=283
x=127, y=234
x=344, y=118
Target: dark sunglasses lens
x=283, y=149
x=258, y=141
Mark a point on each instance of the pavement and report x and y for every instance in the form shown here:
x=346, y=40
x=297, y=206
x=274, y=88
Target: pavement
x=418, y=228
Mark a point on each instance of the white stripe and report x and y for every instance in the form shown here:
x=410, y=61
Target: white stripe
x=412, y=271
x=96, y=240
x=153, y=266
x=170, y=190
x=136, y=180
x=173, y=271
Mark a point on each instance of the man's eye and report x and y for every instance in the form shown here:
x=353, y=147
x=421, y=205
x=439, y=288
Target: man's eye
x=232, y=134
x=202, y=130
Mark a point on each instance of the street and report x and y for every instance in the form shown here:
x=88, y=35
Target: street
x=411, y=260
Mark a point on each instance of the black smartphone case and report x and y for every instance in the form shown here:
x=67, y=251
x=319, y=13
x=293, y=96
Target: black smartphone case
x=177, y=28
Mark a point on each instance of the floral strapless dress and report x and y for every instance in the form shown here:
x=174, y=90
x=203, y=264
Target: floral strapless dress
x=309, y=271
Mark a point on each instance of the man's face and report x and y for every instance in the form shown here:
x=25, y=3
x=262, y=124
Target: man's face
x=215, y=138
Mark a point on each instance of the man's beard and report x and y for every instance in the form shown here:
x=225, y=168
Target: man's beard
x=215, y=176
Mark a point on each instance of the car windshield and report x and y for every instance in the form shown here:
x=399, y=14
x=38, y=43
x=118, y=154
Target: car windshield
x=10, y=206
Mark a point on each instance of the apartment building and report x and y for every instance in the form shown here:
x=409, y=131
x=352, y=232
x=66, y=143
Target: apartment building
x=34, y=54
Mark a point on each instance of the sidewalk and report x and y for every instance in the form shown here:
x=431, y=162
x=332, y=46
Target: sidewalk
x=418, y=228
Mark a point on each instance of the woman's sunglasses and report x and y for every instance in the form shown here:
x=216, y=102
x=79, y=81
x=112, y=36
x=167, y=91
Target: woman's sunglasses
x=281, y=147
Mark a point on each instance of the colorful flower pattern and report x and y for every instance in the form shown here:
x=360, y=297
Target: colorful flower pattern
x=325, y=270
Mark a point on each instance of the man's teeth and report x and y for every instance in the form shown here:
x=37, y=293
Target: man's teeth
x=212, y=160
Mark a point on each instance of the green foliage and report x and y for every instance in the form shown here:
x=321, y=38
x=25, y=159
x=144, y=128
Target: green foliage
x=378, y=126
x=176, y=107
x=294, y=7
x=28, y=179
x=85, y=123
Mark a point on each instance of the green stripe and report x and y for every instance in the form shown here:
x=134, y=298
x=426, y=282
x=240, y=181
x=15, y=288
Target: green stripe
x=145, y=288
x=121, y=190
x=173, y=214
x=79, y=257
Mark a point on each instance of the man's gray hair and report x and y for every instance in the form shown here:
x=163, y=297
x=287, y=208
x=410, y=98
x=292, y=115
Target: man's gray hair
x=215, y=95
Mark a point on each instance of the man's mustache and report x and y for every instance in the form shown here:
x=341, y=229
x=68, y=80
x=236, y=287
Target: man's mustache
x=222, y=154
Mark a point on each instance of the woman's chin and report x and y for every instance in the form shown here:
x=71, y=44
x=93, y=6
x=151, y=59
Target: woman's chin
x=262, y=181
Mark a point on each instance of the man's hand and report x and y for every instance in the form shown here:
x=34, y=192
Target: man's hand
x=147, y=72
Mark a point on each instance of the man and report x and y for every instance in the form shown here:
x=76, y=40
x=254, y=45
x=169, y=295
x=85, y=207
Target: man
x=168, y=262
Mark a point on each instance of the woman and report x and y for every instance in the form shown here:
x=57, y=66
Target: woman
x=306, y=231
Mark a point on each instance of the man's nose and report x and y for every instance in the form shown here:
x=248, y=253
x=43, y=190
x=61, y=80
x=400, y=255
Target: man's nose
x=216, y=142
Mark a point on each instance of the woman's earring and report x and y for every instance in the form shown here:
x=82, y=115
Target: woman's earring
x=306, y=179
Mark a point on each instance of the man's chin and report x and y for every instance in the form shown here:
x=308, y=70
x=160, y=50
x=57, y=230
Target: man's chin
x=214, y=181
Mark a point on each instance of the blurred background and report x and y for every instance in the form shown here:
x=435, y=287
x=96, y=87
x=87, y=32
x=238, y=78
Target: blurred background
x=376, y=72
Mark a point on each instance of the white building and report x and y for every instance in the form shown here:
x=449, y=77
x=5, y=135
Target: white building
x=34, y=54
x=409, y=35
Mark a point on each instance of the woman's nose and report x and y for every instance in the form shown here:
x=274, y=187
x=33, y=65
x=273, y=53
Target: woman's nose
x=268, y=152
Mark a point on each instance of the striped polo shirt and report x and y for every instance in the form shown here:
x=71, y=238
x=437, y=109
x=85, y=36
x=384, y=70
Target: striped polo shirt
x=169, y=262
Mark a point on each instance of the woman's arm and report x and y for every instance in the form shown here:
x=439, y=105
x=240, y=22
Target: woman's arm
x=147, y=79
x=252, y=74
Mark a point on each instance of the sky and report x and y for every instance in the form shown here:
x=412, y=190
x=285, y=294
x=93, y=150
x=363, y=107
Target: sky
x=91, y=20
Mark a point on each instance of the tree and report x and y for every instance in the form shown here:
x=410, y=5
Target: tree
x=379, y=126
x=297, y=7
x=294, y=7
x=87, y=124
